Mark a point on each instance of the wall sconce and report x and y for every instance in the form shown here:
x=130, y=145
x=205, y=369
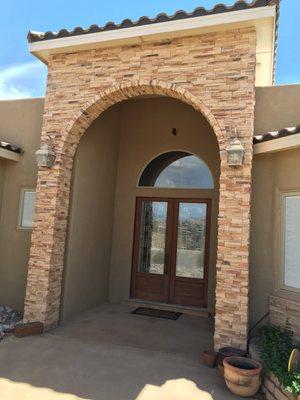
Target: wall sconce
x=45, y=156
x=235, y=153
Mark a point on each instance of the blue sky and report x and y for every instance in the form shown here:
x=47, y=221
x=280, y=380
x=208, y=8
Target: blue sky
x=21, y=75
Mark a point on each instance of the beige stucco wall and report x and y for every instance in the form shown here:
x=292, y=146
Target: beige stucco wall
x=272, y=173
x=276, y=107
x=87, y=264
x=20, y=123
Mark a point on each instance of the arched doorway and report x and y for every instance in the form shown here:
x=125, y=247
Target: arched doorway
x=66, y=126
x=111, y=171
x=172, y=235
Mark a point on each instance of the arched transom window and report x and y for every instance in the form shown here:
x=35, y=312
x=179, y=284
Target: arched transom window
x=177, y=169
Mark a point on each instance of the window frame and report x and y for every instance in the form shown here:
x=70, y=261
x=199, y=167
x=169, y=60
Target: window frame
x=20, y=227
x=283, y=196
x=188, y=153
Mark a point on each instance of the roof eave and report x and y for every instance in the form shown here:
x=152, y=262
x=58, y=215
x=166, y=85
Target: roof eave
x=137, y=35
x=278, y=144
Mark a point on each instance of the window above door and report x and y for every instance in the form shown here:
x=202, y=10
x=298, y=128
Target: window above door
x=178, y=170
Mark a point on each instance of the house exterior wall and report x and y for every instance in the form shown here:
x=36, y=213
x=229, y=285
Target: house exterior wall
x=273, y=173
x=276, y=107
x=215, y=73
x=283, y=310
x=20, y=123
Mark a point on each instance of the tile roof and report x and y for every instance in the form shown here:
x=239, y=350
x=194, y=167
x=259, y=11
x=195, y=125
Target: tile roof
x=10, y=147
x=128, y=23
x=276, y=134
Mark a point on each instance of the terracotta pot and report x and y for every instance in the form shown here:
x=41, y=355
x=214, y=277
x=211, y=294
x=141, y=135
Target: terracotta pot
x=225, y=352
x=210, y=358
x=29, y=329
x=242, y=375
x=228, y=352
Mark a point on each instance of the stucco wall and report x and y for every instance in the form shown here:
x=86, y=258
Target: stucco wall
x=20, y=123
x=276, y=107
x=88, y=251
x=272, y=173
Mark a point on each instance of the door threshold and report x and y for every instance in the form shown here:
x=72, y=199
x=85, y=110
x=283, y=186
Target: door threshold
x=196, y=311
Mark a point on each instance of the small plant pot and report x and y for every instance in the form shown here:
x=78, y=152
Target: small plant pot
x=210, y=358
x=242, y=375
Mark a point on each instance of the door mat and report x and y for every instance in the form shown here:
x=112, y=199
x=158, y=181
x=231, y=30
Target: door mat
x=151, y=312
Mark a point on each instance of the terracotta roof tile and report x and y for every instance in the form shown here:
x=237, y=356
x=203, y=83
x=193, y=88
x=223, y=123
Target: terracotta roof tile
x=276, y=134
x=128, y=23
x=10, y=147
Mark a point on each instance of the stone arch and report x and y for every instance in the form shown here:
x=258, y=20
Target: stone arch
x=117, y=93
x=46, y=263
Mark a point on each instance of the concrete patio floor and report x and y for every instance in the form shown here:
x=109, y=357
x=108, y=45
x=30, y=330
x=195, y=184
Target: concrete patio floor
x=109, y=354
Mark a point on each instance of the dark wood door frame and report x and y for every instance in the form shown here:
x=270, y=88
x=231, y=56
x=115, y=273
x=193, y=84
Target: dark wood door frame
x=166, y=283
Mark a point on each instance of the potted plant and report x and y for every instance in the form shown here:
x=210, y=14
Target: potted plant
x=242, y=375
x=276, y=345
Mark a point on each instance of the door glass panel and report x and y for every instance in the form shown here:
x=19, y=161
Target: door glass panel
x=153, y=237
x=191, y=240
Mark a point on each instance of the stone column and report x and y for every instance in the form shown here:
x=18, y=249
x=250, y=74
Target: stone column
x=45, y=270
x=232, y=287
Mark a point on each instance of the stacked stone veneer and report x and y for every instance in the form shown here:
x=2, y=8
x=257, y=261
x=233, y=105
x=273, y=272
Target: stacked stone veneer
x=274, y=391
x=283, y=310
x=214, y=73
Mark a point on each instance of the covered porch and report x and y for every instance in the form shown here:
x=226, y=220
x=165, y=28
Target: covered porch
x=108, y=353
x=94, y=214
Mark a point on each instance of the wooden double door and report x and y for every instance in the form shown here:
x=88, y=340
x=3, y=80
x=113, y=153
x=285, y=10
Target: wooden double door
x=171, y=251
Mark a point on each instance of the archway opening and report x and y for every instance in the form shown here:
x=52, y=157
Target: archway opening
x=107, y=181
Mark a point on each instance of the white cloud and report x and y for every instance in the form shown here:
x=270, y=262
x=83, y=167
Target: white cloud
x=22, y=80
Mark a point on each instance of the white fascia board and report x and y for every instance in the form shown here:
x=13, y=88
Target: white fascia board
x=119, y=35
x=280, y=144
x=9, y=155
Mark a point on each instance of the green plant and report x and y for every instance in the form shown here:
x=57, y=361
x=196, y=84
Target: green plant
x=276, y=345
x=294, y=385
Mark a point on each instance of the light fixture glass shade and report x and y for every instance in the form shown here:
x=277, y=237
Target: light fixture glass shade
x=235, y=153
x=45, y=156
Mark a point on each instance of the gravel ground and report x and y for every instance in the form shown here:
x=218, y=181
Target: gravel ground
x=9, y=318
